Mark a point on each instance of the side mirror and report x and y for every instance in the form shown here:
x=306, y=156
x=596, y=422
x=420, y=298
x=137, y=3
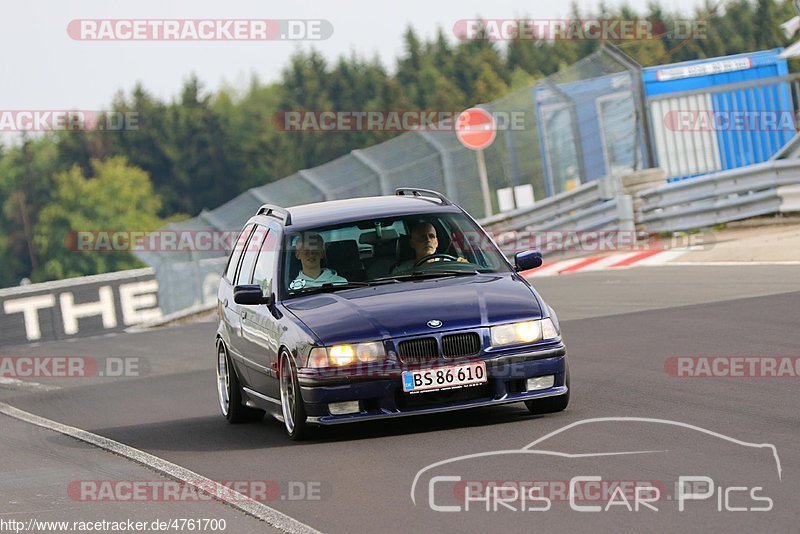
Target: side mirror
x=250, y=295
x=529, y=259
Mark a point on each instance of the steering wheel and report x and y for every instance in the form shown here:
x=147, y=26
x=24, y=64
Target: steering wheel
x=436, y=255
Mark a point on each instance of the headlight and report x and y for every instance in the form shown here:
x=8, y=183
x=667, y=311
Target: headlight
x=523, y=332
x=370, y=352
x=339, y=355
x=342, y=354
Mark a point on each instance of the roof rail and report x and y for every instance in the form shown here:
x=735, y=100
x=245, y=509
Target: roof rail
x=416, y=192
x=271, y=210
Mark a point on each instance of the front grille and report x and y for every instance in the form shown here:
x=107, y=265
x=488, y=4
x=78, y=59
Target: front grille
x=419, y=350
x=460, y=345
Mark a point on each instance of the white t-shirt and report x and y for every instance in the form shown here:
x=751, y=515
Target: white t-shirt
x=327, y=276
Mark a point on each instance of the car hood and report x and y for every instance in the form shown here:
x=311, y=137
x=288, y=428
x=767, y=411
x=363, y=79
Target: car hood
x=404, y=309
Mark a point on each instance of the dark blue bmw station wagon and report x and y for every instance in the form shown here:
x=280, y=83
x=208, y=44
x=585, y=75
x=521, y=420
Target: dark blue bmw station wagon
x=371, y=308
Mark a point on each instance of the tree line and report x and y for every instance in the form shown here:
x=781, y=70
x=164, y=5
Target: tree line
x=204, y=147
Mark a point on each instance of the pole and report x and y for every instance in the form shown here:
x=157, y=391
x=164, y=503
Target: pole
x=487, y=198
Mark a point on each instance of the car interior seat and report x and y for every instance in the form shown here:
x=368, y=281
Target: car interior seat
x=383, y=252
x=343, y=257
x=403, y=250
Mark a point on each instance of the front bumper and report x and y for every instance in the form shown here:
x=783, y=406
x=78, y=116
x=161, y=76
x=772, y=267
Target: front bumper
x=381, y=394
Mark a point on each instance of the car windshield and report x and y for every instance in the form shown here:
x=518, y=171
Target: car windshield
x=382, y=251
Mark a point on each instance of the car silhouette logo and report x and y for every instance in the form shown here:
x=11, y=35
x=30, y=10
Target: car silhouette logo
x=434, y=323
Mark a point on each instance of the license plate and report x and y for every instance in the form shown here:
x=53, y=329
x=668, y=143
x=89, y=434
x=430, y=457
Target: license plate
x=440, y=378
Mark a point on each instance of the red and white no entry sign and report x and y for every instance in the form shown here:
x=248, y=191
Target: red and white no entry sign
x=475, y=128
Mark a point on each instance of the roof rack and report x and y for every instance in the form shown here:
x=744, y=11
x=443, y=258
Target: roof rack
x=271, y=210
x=416, y=192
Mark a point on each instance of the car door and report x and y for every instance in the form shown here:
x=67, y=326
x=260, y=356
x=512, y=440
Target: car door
x=228, y=309
x=261, y=329
x=244, y=276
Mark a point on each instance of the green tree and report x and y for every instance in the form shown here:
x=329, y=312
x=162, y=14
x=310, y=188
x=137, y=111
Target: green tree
x=26, y=184
x=148, y=145
x=116, y=197
x=768, y=17
x=251, y=118
x=489, y=85
x=409, y=67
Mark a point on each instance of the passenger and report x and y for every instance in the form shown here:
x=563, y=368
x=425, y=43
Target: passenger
x=310, y=249
x=423, y=240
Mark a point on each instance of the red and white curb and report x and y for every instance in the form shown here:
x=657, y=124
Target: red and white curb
x=605, y=262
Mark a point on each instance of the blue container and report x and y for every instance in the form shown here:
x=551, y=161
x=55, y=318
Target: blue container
x=739, y=126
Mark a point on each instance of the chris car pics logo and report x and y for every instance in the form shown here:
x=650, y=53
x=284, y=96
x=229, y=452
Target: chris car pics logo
x=447, y=487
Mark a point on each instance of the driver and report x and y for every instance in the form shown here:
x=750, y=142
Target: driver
x=424, y=242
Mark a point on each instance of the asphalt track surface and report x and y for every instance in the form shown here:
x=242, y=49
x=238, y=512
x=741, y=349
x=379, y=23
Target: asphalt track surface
x=620, y=328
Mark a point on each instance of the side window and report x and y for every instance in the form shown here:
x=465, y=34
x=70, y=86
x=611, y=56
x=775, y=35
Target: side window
x=265, y=264
x=238, y=248
x=245, y=275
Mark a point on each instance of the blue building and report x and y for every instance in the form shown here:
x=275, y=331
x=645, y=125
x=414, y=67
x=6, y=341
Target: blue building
x=720, y=113
x=701, y=116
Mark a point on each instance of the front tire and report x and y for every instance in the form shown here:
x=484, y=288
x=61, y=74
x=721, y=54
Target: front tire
x=550, y=404
x=294, y=412
x=229, y=391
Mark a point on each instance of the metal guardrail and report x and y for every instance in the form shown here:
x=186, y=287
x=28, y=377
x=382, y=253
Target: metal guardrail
x=578, y=198
x=598, y=205
x=717, y=198
x=563, y=205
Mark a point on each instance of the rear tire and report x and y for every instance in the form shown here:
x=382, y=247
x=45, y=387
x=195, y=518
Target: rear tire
x=550, y=404
x=229, y=392
x=294, y=411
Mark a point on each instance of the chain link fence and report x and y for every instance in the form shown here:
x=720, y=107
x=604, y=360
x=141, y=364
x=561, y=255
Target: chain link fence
x=560, y=137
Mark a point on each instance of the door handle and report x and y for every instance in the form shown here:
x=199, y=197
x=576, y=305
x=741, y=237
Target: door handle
x=244, y=315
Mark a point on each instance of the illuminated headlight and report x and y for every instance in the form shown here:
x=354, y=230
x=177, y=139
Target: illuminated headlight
x=339, y=355
x=523, y=332
x=342, y=354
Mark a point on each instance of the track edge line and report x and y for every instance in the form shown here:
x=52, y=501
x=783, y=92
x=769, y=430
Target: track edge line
x=168, y=469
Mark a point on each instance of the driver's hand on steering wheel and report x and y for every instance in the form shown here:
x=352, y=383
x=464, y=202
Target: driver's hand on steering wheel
x=459, y=259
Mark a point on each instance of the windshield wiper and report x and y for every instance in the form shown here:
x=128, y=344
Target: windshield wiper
x=419, y=274
x=433, y=274
x=330, y=286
